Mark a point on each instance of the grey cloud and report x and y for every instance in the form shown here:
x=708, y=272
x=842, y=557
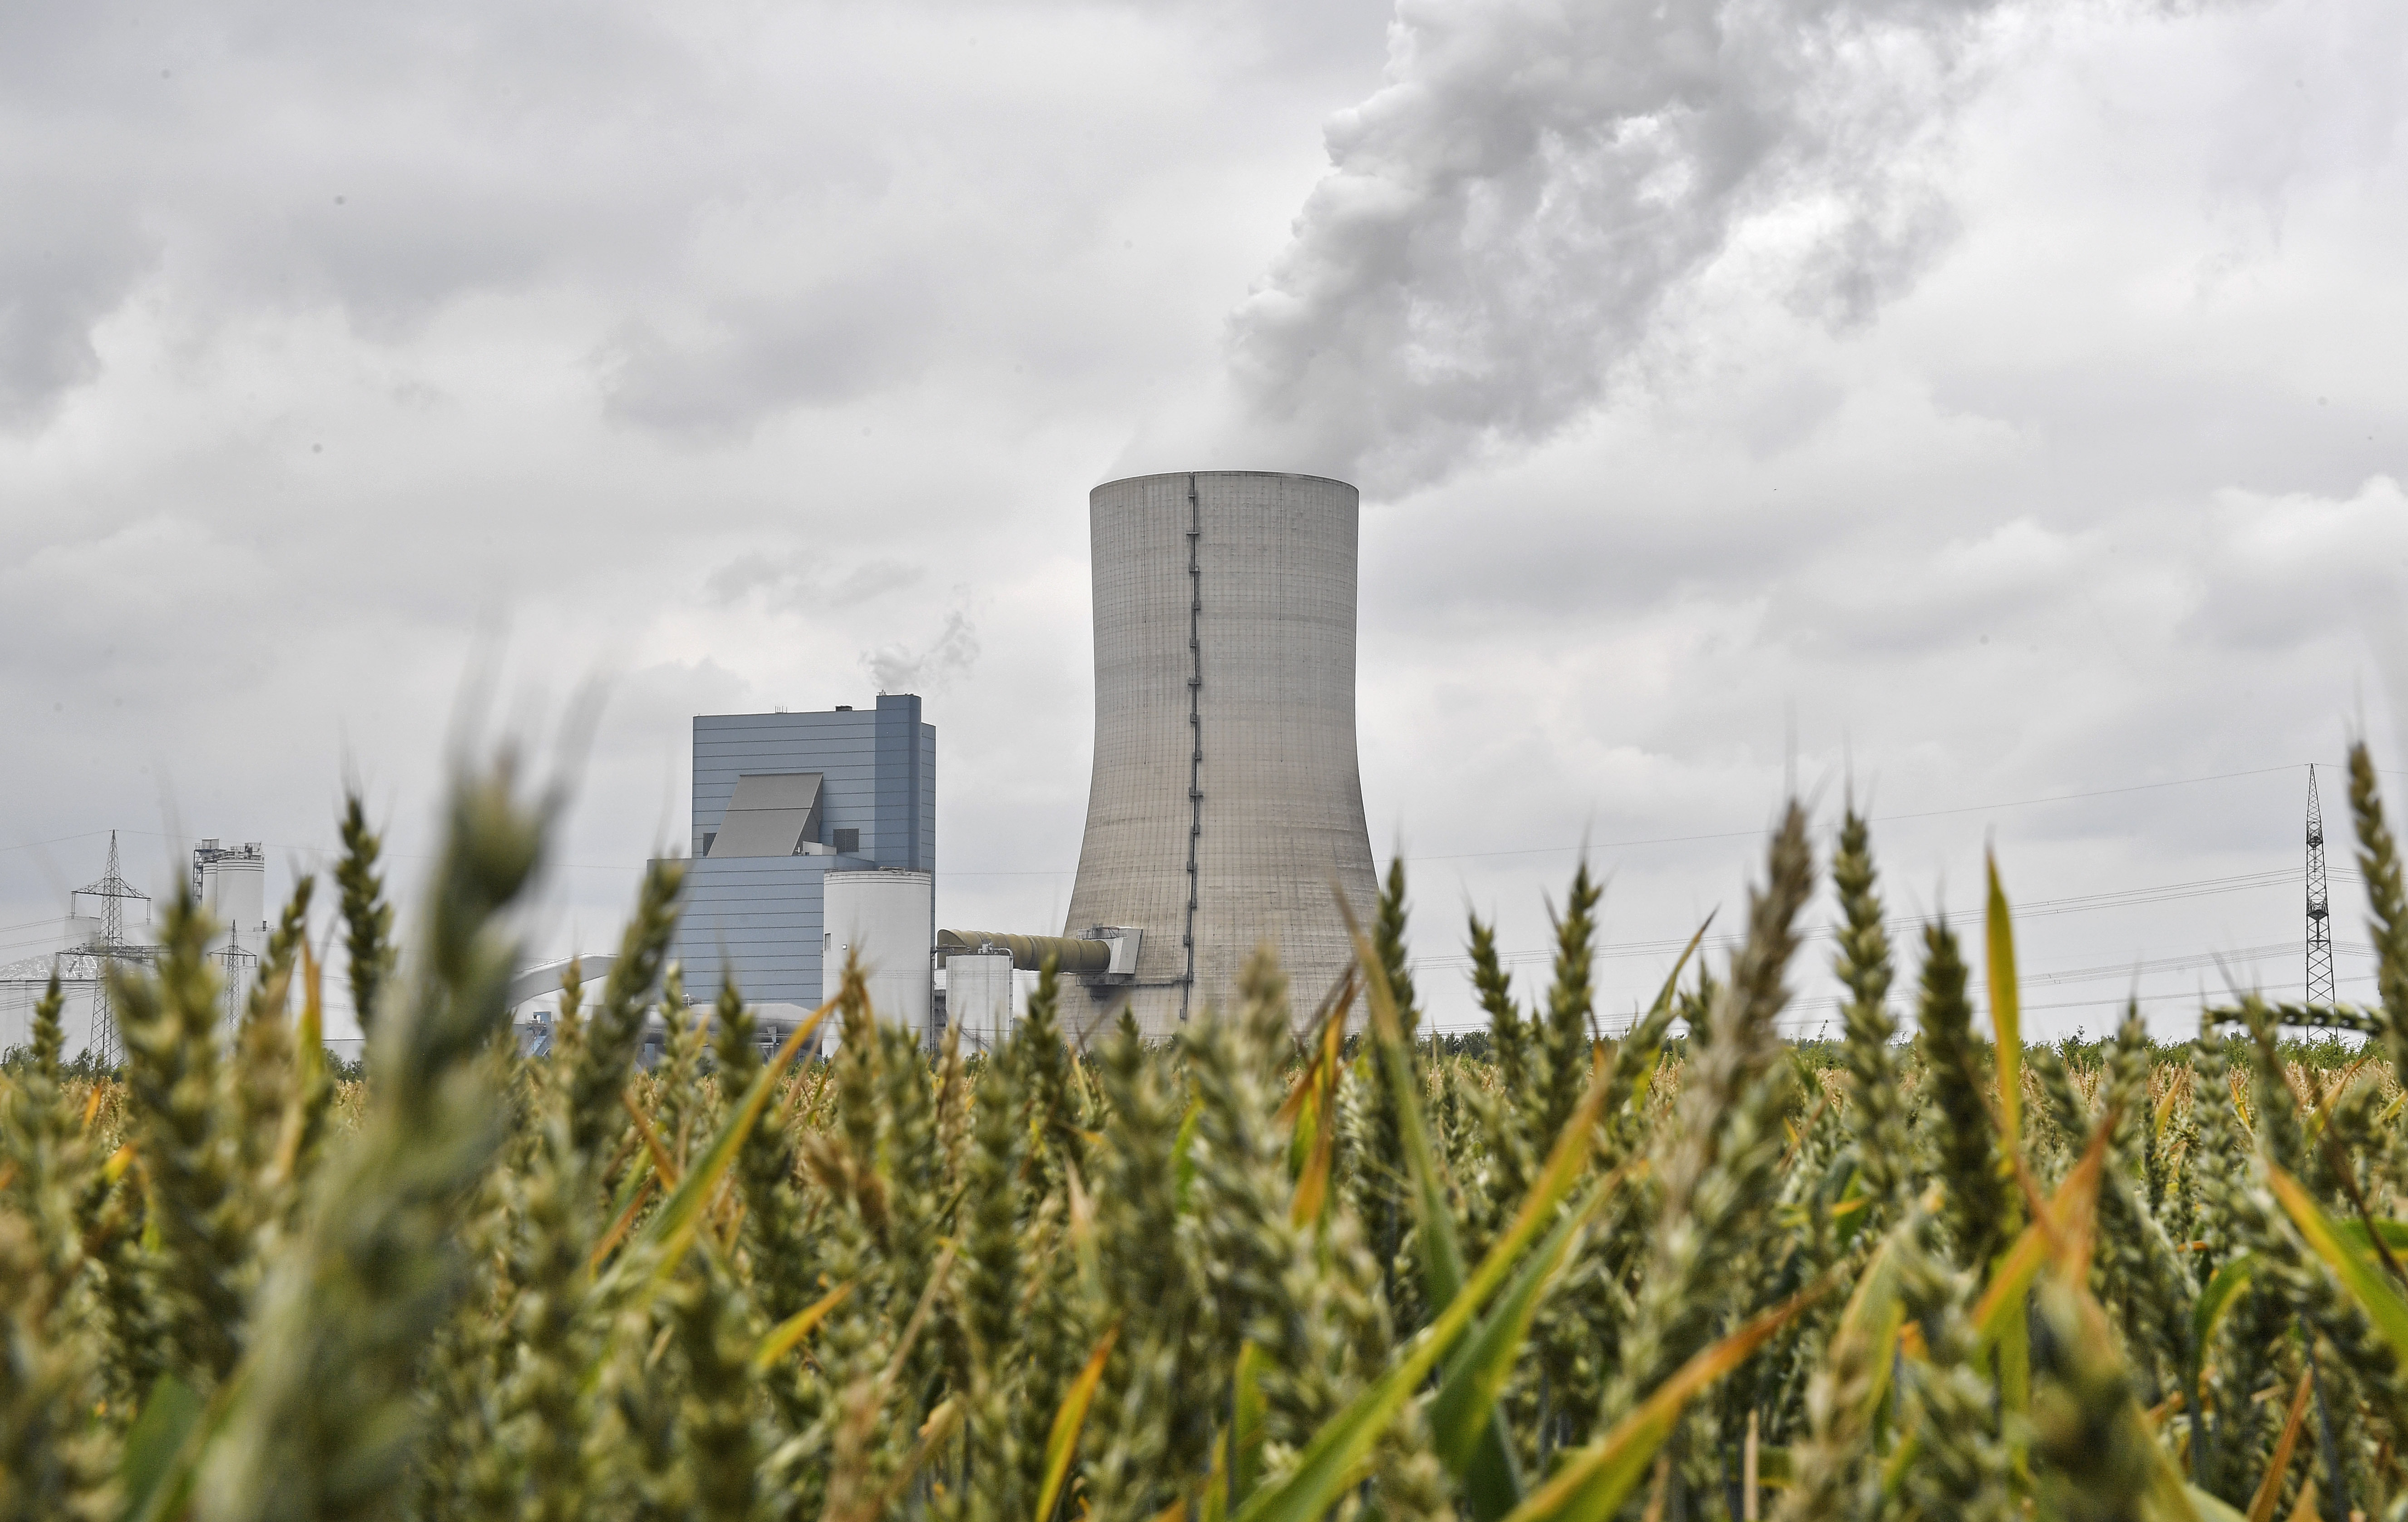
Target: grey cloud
x=810, y=576
x=743, y=213
x=63, y=269
x=1917, y=598
x=723, y=371
x=1874, y=254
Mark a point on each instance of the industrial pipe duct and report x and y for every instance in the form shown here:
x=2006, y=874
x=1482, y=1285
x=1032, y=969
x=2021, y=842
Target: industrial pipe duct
x=1226, y=811
x=1071, y=955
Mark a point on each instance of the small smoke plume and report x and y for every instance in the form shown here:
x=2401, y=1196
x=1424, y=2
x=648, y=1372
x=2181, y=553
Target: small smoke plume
x=1507, y=214
x=898, y=668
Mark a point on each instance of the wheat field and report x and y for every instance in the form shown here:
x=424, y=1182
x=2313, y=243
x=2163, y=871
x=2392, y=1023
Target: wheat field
x=1270, y=1272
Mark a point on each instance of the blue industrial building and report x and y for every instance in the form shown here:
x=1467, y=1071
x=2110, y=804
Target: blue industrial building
x=780, y=802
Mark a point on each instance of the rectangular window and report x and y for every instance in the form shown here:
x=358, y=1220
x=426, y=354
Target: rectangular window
x=708, y=836
x=847, y=842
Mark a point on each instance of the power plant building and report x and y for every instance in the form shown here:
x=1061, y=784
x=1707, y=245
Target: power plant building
x=782, y=803
x=1225, y=813
x=1226, y=807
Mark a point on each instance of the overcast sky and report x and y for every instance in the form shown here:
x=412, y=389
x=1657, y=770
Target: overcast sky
x=1992, y=403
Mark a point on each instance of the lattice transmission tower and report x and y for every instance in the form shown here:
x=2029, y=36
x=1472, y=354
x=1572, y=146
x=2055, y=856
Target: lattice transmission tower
x=109, y=949
x=2320, y=964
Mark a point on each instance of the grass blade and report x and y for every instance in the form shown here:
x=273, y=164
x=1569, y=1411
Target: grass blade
x=1313, y=1108
x=784, y=1336
x=2392, y=1234
x=2006, y=1009
x=2209, y=1508
x=1441, y=1252
x=1063, y=1441
x=2270, y=1490
x=1330, y=1461
x=1246, y=1426
x=1471, y=1437
x=667, y=1235
x=662, y=1163
x=1596, y=1482
x=2350, y=1264
x=1493, y=1486
x=1999, y=1313
x=2216, y=1301
x=156, y=1472
x=1458, y=1413
x=610, y=1239
x=1872, y=1320
x=1182, y=1155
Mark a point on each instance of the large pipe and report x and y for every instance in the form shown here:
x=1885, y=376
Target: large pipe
x=535, y=981
x=1070, y=956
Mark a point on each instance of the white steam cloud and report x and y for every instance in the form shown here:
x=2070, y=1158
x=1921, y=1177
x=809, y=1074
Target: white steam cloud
x=1508, y=213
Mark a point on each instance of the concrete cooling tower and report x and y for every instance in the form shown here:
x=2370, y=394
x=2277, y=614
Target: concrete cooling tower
x=1226, y=809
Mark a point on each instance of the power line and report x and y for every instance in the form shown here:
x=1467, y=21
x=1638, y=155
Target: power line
x=2036, y=908
x=1825, y=1007
x=311, y=850
x=2184, y=963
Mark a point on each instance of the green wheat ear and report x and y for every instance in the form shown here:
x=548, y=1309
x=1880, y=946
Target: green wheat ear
x=1876, y=1109
x=367, y=918
x=320, y=1422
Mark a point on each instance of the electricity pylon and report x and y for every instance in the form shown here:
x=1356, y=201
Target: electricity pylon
x=2320, y=968
x=112, y=890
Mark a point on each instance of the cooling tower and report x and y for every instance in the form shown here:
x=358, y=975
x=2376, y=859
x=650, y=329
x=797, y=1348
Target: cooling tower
x=1227, y=809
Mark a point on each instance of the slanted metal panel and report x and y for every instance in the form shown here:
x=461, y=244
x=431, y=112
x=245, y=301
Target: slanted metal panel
x=771, y=815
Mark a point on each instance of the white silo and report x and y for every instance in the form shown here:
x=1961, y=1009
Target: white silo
x=231, y=884
x=1226, y=807
x=889, y=917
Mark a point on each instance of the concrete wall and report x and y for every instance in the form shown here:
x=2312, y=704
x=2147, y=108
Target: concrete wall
x=765, y=915
x=1279, y=827
x=979, y=997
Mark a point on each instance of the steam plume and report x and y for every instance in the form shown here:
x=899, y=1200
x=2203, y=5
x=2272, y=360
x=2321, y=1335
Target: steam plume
x=1504, y=216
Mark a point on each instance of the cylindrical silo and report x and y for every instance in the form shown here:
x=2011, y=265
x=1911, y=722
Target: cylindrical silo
x=888, y=917
x=233, y=890
x=1226, y=809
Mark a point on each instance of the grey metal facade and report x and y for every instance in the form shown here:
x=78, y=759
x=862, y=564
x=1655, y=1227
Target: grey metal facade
x=762, y=916
x=1226, y=807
